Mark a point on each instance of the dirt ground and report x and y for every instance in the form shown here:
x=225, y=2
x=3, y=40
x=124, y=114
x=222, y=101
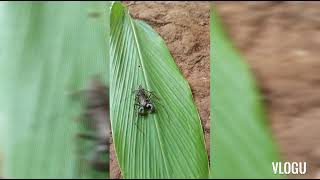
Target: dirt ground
x=185, y=28
x=281, y=41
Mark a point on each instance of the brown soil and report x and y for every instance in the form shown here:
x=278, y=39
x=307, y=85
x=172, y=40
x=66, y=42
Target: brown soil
x=281, y=42
x=185, y=28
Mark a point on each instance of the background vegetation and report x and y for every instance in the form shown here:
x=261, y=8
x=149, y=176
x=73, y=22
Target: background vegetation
x=241, y=143
x=47, y=50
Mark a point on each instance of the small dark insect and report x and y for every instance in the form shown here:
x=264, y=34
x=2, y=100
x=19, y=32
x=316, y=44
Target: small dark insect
x=143, y=101
x=97, y=118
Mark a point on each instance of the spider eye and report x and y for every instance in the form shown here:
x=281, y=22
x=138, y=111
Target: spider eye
x=150, y=106
x=141, y=110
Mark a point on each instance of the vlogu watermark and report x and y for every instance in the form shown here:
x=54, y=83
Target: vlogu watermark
x=289, y=167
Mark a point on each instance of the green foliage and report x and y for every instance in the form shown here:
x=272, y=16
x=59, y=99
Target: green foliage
x=170, y=142
x=47, y=50
x=241, y=144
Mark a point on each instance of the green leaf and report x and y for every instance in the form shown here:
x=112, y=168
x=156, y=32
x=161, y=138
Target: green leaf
x=241, y=143
x=47, y=50
x=170, y=142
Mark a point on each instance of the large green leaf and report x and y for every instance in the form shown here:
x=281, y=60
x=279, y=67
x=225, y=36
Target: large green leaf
x=170, y=142
x=47, y=49
x=241, y=144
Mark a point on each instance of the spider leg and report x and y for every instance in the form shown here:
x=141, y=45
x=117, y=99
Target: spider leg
x=152, y=94
x=140, y=87
x=136, y=99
